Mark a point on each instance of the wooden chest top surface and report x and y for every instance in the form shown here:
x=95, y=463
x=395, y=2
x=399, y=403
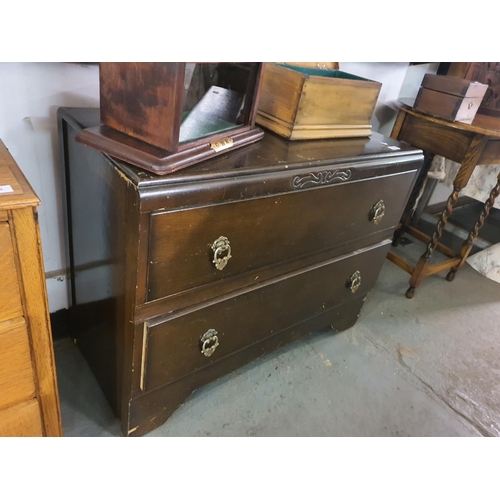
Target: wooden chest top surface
x=271, y=154
x=15, y=190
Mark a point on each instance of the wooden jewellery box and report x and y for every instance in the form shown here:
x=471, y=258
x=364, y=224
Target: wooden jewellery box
x=181, y=279
x=450, y=97
x=163, y=117
x=300, y=102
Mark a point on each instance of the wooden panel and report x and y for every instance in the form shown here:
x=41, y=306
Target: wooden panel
x=460, y=69
x=10, y=298
x=447, y=106
x=16, y=371
x=22, y=193
x=491, y=153
x=143, y=100
x=482, y=124
x=435, y=138
x=280, y=93
x=454, y=85
x=303, y=132
x=188, y=298
x=336, y=101
x=28, y=242
x=266, y=231
x=299, y=106
x=172, y=348
x=4, y=216
x=22, y=420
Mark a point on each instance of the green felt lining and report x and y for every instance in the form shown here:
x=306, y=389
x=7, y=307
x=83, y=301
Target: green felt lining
x=329, y=73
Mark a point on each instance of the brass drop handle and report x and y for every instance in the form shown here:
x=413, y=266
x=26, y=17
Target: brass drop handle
x=209, y=342
x=377, y=212
x=354, y=282
x=222, y=252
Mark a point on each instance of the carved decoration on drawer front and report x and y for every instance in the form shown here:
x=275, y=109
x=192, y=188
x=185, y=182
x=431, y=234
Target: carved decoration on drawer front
x=321, y=178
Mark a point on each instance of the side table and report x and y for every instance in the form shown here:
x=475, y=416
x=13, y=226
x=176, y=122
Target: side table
x=469, y=145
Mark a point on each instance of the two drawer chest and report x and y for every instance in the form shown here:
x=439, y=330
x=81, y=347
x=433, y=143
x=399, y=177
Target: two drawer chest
x=180, y=279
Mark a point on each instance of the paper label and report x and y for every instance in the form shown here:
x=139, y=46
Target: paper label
x=6, y=189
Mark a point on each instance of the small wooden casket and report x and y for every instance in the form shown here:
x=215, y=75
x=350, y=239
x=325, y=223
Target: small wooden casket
x=450, y=97
x=299, y=102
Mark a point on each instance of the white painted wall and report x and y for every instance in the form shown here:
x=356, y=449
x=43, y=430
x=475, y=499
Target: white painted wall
x=391, y=76
x=30, y=94
x=414, y=76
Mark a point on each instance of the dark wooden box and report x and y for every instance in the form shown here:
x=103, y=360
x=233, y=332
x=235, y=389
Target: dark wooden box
x=450, y=97
x=157, y=117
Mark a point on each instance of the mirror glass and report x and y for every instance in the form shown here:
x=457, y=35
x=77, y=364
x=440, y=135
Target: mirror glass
x=217, y=98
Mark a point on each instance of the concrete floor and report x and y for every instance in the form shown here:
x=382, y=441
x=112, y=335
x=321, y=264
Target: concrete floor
x=429, y=366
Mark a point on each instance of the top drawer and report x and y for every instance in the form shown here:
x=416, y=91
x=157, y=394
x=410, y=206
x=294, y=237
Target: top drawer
x=267, y=231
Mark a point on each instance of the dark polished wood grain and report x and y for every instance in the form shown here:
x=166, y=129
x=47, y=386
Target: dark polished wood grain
x=143, y=100
x=142, y=106
x=156, y=160
x=300, y=221
x=215, y=289
x=482, y=124
x=173, y=345
x=272, y=154
x=436, y=138
x=266, y=231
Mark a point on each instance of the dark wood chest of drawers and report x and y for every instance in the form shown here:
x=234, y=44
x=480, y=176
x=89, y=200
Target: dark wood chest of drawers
x=179, y=280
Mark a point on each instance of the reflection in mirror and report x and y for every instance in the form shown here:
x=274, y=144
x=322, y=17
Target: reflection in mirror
x=217, y=97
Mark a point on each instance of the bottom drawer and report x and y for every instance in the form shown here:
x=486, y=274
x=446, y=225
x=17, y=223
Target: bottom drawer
x=22, y=420
x=172, y=348
x=17, y=381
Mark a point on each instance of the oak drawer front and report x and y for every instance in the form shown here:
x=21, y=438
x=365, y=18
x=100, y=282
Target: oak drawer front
x=173, y=348
x=16, y=371
x=22, y=420
x=267, y=231
x=10, y=298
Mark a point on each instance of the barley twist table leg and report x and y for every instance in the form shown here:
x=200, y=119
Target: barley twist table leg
x=419, y=272
x=468, y=244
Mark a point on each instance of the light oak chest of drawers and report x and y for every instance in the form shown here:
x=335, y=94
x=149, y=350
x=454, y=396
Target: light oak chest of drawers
x=180, y=279
x=29, y=403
